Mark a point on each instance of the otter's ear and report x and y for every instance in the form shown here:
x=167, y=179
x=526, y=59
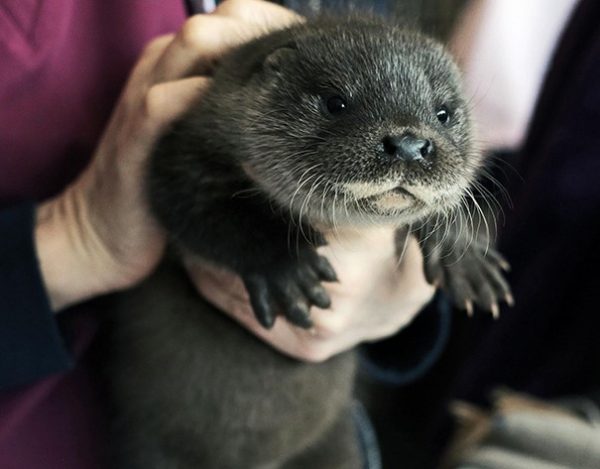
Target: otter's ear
x=279, y=57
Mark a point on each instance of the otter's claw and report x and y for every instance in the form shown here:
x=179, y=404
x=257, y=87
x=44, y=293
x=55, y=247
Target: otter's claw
x=471, y=275
x=290, y=287
x=476, y=277
x=260, y=300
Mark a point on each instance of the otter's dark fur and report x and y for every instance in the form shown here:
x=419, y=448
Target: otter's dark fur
x=316, y=126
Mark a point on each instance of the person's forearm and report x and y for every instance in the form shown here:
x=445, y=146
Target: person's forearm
x=70, y=272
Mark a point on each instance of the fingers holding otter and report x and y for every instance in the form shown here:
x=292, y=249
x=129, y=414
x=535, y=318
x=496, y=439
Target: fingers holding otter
x=201, y=40
x=204, y=38
x=265, y=15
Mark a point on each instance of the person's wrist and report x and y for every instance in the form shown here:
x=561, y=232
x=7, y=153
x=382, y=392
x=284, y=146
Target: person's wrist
x=74, y=263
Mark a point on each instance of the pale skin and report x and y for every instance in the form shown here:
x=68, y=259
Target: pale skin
x=98, y=236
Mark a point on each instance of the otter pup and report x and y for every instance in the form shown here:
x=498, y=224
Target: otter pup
x=305, y=129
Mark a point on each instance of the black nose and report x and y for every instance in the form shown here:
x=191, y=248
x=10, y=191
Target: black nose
x=407, y=147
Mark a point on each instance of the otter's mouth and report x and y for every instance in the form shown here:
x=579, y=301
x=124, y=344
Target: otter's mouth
x=398, y=193
x=402, y=191
x=394, y=199
x=373, y=190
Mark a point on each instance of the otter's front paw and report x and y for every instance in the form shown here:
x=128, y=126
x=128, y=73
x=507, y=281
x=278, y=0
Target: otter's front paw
x=291, y=287
x=473, y=275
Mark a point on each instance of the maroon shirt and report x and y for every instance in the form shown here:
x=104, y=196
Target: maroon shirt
x=62, y=66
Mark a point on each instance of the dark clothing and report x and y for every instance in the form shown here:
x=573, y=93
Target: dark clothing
x=31, y=344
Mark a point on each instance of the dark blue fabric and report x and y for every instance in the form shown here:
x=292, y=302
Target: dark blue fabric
x=31, y=345
x=408, y=356
x=367, y=438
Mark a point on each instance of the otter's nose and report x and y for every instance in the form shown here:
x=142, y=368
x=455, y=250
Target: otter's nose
x=407, y=147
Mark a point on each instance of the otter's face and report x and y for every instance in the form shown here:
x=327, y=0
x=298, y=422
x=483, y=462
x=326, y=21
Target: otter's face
x=359, y=122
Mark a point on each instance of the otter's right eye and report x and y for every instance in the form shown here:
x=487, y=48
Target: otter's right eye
x=335, y=104
x=443, y=115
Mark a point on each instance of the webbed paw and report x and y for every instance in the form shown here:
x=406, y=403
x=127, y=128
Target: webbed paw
x=471, y=275
x=290, y=286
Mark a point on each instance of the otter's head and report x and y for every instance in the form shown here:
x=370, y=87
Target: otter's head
x=357, y=121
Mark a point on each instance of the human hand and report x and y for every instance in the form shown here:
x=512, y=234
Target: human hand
x=375, y=297
x=98, y=235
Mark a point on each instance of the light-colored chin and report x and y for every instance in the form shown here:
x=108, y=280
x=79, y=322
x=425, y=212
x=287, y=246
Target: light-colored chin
x=362, y=190
x=391, y=201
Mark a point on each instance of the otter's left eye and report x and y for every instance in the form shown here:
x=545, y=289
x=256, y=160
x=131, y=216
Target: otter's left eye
x=443, y=115
x=336, y=104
